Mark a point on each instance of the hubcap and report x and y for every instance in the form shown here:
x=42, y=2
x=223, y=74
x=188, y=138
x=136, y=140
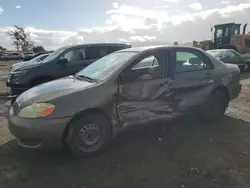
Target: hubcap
x=89, y=135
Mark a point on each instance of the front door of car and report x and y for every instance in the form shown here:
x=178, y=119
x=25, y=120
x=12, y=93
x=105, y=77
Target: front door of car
x=72, y=62
x=230, y=57
x=144, y=90
x=193, y=75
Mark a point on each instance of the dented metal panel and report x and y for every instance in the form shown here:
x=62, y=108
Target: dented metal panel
x=145, y=100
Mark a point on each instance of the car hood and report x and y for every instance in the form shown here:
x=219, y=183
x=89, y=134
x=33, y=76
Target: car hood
x=51, y=90
x=24, y=65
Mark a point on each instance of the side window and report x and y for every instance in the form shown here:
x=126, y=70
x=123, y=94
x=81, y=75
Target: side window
x=235, y=54
x=146, y=63
x=229, y=54
x=191, y=61
x=219, y=33
x=148, y=68
x=226, y=32
x=96, y=52
x=75, y=55
x=247, y=43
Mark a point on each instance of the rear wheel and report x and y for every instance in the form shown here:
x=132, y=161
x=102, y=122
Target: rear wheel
x=215, y=106
x=87, y=135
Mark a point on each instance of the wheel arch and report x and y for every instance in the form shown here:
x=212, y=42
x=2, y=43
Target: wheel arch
x=223, y=89
x=96, y=111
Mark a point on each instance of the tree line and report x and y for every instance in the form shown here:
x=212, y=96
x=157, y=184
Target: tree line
x=22, y=41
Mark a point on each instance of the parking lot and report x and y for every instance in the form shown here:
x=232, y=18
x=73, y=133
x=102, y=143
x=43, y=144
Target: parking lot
x=187, y=153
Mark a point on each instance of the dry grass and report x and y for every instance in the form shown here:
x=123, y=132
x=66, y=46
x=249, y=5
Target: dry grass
x=5, y=65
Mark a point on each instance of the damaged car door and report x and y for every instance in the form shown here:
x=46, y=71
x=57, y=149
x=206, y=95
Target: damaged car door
x=144, y=90
x=193, y=77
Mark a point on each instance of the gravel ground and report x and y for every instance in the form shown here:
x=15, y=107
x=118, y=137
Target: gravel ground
x=185, y=154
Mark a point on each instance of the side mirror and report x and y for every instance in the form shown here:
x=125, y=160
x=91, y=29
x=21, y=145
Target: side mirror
x=63, y=61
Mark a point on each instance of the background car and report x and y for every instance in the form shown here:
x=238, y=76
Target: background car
x=38, y=54
x=12, y=56
x=35, y=60
x=120, y=91
x=63, y=62
x=232, y=57
x=28, y=55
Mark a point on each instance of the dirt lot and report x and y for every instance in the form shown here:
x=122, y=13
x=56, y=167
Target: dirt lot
x=4, y=69
x=184, y=154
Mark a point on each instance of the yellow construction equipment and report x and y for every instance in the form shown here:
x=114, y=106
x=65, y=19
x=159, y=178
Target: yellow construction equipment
x=227, y=36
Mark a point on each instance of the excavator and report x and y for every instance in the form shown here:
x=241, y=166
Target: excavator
x=227, y=36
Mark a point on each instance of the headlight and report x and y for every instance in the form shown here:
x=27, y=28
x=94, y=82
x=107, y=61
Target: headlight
x=37, y=110
x=19, y=72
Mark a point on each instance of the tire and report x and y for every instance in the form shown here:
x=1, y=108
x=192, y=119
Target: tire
x=77, y=135
x=215, y=106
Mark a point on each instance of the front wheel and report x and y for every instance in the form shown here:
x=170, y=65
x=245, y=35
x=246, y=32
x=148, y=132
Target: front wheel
x=87, y=135
x=215, y=106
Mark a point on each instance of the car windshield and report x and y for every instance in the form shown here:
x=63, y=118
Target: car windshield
x=54, y=54
x=217, y=54
x=104, y=67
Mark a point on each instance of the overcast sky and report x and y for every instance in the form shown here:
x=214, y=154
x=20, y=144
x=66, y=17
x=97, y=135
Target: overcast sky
x=54, y=23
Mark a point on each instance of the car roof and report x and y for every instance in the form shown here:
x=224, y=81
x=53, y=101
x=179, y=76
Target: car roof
x=98, y=44
x=219, y=50
x=148, y=48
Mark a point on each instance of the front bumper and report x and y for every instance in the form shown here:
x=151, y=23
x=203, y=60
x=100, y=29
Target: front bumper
x=35, y=133
x=16, y=88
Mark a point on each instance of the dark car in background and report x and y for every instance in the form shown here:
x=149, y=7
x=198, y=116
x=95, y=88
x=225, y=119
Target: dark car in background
x=232, y=57
x=120, y=91
x=28, y=55
x=35, y=60
x=65, y=61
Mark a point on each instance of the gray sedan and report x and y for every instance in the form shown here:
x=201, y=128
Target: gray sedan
x=232, y=57
x=122, y=90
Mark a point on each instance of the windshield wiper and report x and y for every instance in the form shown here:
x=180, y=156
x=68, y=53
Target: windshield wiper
x=84, y=77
